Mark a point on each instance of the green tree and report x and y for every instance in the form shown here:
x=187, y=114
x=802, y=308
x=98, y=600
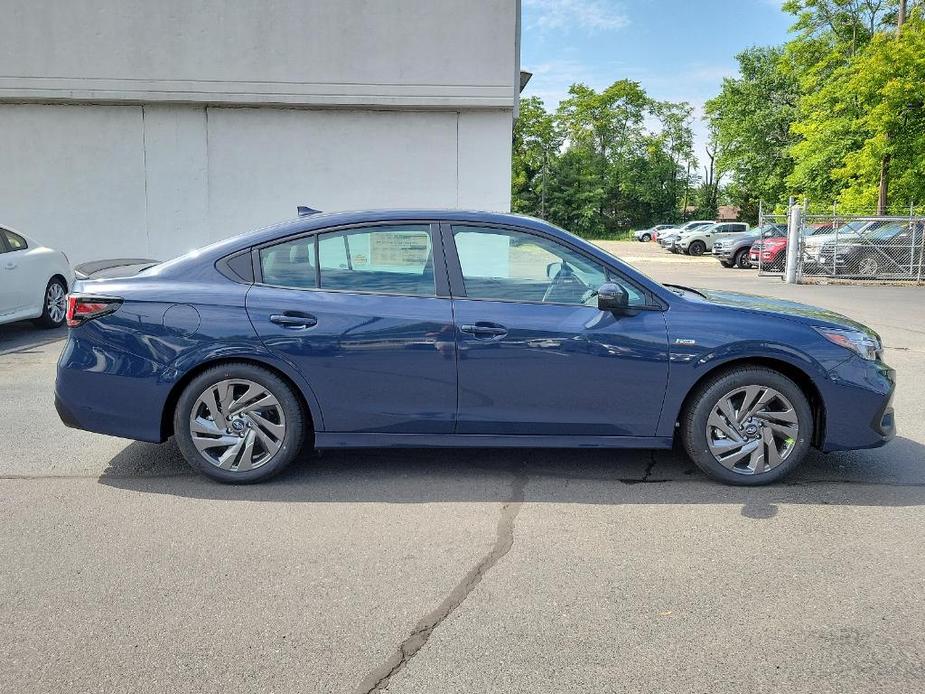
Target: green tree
x=604, y=161
x=751, y=117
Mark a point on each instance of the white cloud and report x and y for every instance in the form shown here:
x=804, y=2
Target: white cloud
x=590, y=15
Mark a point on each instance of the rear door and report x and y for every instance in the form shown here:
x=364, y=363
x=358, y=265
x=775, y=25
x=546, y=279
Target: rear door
x=364, y=313
x=536, y=355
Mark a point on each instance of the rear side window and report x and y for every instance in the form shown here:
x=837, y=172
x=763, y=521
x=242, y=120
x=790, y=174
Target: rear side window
x=289, y=264
x=15, y=241
x=386, y=260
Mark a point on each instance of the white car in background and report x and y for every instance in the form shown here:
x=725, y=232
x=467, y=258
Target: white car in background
x=34, y=281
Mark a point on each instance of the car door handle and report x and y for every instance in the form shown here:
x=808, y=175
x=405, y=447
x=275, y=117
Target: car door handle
x=10, y=266
x=484, y=331
x=294, y=321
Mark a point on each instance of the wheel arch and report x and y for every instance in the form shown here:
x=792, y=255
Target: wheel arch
x=803, y=380
x=310, y=409
x=59, y=276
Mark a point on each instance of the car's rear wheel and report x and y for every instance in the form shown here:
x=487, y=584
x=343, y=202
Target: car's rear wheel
x=747, y=426
x=54, y=304
x=696, y=248
x=868, y=266
x=741, y=260
x=239, y=423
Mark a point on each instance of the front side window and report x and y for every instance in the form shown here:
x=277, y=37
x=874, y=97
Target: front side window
x=387, y=260
x=508, y=265
x=15, y=241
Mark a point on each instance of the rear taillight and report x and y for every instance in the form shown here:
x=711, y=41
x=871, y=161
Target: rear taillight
x=82, y=308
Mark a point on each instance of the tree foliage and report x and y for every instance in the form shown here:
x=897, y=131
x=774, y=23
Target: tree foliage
x=830, y=112
x=603, y=161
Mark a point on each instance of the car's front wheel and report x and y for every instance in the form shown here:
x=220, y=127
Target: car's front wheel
x=239, y=423
x=741, y=260
x=54, y=304
x=696, y=248
x=747, y=426
x=645, y=237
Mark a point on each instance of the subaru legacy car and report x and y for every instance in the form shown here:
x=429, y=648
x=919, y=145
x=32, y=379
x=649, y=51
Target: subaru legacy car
x=448, y=328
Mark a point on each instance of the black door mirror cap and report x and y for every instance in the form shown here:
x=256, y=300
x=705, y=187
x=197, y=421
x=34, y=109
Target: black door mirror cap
x=613, y=297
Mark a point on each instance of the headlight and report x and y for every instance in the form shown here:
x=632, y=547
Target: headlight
x=860, y=343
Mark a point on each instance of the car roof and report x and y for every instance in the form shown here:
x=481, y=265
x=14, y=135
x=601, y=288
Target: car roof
x=186, y=265
x=323, y=220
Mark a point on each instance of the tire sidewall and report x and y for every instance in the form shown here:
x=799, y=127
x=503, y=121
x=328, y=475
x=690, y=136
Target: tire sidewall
x=694, y=424
x=45, y=319
x=646, y=237
x=741, y=260
x=697, y=248
x=292, y=408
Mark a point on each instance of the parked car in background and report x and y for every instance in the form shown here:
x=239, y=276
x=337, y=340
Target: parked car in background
x=699, y=240
x=769, y=253
x=667, y=238
x=652, y=233
x=441, y=328
x=34, y=281
x=892, y=249
x=732, y=250
x=845, y=233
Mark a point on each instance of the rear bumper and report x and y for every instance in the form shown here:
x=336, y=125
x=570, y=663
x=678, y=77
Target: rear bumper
x=119, y=396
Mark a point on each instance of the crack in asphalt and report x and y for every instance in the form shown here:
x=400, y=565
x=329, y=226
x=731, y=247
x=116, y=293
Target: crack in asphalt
x=378, y=678
x=646, y=474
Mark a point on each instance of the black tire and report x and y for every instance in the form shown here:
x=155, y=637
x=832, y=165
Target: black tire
x=294, y=431
x=696, y=248
x=868, y=266
x=645, y=237
x=51, y=317
x=725, y=263
x=741, y=260
x=693, y=423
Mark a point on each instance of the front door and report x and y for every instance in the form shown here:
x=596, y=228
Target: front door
x=536, y=356
x=364, y=316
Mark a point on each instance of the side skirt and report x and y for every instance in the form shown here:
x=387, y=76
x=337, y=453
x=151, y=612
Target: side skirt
x=348, y=440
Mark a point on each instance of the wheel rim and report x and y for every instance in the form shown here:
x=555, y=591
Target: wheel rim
x=752, y=430
x=743, y=261
x=867, y=267
x=696, y=248
x=56, y=302
x=237, y=425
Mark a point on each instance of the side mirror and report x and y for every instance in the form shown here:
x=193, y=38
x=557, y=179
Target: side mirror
x=612, y=297
x=553, y=269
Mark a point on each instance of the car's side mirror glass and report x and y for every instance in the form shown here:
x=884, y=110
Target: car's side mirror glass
x=553, y=269
x=612, y=297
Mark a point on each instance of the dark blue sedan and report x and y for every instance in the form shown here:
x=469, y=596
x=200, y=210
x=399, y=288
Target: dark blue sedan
x=450, y=328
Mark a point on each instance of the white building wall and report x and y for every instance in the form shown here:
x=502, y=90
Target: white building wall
x=141, y=128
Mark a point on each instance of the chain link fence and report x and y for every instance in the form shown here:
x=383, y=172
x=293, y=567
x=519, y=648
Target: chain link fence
x=847, y=247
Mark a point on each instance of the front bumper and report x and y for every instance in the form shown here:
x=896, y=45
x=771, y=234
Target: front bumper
x=859, y=405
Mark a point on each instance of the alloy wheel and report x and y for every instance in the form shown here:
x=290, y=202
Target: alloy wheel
x=752, y=430
x=55, y=302
x=868, y=267
x=237, y=425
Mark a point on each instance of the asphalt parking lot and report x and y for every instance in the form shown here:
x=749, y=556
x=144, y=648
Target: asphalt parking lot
x=440, y=571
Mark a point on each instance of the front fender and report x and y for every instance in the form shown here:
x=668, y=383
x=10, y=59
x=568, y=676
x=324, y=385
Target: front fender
x=687, y=368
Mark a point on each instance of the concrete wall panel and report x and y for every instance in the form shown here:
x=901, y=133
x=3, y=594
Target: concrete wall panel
x=73, y=176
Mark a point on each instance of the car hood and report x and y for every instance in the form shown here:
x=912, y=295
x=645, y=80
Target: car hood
x=741, y=236
x=781, y=307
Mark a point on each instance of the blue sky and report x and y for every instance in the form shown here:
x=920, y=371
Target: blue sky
x=679, y=50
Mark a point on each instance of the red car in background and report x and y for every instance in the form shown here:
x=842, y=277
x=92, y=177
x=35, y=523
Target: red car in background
x=770, y=252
